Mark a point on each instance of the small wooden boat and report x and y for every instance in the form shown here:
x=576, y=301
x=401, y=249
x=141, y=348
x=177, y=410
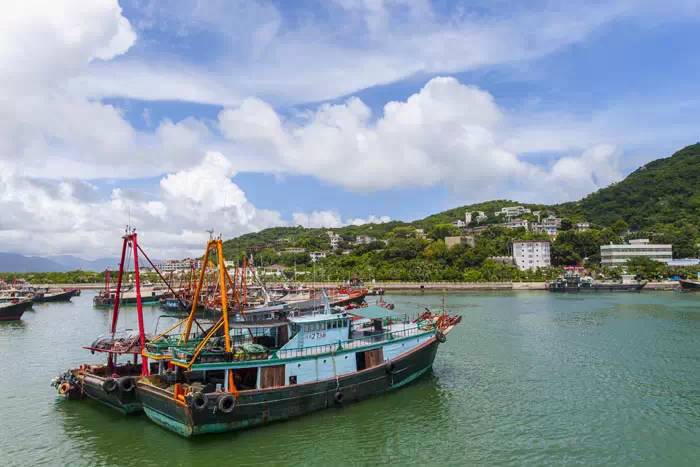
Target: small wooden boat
x=689, y=285
x=13, y=309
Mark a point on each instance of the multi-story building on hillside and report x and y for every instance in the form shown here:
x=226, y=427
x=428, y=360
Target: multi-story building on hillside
x=334, y=239
x=513, y=211
x=364, y=240
x=529, y=254
x=460, y=240
x=617, y=255
x=316, y=255
x=480, y=217
x=516, y=224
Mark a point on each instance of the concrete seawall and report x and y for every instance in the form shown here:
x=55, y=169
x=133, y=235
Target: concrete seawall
x=419, y=286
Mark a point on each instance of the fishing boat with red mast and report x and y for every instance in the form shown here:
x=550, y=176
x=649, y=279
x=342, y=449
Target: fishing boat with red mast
x=113, y=383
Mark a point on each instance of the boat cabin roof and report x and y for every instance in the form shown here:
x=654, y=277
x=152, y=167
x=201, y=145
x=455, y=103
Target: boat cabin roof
x=375, y=312
x=320, y=317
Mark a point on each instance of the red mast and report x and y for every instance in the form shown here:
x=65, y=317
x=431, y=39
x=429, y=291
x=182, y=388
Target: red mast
x=130, y=241
x=139, y=307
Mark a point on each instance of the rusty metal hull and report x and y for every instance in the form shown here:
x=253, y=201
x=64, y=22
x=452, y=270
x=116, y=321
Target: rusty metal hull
x=258, y=407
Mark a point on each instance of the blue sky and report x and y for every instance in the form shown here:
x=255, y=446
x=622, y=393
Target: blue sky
x=241, y=115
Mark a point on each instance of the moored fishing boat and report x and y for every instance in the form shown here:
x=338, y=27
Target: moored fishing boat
x=53, y=296
x=574, y=283
x=149, y=296
x=13, y=309
x=242, y=371
x=113, y=383
x=327, y=361
x=689, y=285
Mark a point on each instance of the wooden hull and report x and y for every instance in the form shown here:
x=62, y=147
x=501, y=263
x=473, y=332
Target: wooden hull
x=259, y=407
x=14, y=311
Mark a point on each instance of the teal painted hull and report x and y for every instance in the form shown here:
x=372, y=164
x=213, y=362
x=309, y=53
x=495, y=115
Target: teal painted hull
x=255, y=408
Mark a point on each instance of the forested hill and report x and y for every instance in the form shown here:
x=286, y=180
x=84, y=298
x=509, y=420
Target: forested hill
x=660, y=199
x=665, y=191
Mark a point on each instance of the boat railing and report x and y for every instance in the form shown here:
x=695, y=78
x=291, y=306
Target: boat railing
x=184, y=355
x=172, y=347
x=358, y=342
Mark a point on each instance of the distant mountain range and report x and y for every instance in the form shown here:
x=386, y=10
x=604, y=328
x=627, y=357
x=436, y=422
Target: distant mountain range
x=13, y=262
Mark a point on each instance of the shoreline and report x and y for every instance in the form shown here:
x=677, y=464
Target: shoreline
x=418, y=286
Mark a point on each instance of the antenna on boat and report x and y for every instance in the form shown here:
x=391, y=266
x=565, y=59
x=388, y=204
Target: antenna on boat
x=211, y=233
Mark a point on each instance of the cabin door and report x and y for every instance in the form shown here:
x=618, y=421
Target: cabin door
x=272, y=376
x=369, y=358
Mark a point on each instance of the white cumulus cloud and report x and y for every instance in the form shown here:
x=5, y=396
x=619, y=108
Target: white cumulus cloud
x=447, y=133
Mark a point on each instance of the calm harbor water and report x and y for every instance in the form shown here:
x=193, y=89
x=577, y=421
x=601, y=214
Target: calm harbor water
x=527, y=378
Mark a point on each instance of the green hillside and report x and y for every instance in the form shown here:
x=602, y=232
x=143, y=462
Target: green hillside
x=665, y=191
x=660, y=201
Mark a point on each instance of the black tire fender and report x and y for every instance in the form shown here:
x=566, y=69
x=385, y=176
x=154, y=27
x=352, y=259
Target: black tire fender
x=226, y=403
x=126, y=384
x=440, y=337
x=198, y=400
x=109, y=385
x=338, y=397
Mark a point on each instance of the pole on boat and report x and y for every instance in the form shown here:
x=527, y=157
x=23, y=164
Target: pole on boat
x=245, y=282
x=139, y=306
x=198, y=291
x=120, y=275
x=224, y=308
x=115, y=310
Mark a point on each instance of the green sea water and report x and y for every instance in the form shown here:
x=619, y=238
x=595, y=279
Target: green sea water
x=528, y=378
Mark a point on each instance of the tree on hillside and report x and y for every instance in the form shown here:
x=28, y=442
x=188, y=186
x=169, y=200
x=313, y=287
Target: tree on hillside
x=619, y=227
x=440, y=231
x=403, y=232
x=564, y=254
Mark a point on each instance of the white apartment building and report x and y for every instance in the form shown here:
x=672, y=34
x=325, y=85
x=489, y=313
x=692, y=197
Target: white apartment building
x=172, y=265
x=334, y=239
x=550, y=230
x=516, y=224
x=364, y=240
x=551, y=221
x=480, y=217
x=528, y=254
x=616, y=255
x=316, y=255
x=513, y=211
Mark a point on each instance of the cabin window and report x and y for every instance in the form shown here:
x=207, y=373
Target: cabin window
x=292, y=380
